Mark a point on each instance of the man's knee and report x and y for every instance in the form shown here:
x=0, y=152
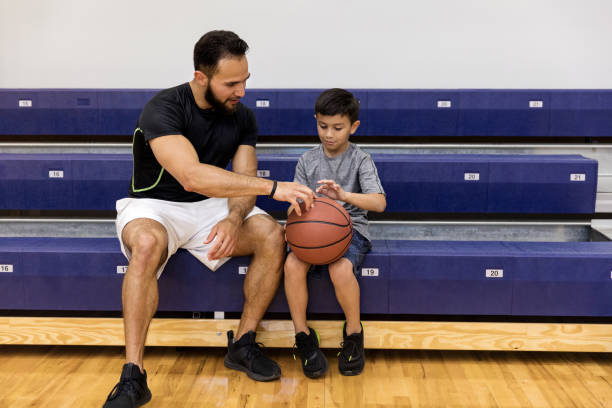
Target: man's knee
x=269, y=235
x=148, y=247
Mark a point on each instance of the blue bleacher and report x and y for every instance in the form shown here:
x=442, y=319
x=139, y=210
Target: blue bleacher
x=289, y=112
x=401, y=277
x=413, y=183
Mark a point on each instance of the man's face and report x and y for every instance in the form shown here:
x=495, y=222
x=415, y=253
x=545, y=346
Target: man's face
x=227, y=85
x=334, y=132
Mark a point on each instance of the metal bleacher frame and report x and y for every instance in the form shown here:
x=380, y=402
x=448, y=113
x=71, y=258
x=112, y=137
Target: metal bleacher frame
x=464, y=332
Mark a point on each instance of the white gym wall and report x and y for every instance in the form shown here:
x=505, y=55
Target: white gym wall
x=311, y=44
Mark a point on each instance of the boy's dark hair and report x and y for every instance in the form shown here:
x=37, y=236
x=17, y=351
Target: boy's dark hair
x=338, y=101
x=215, y=45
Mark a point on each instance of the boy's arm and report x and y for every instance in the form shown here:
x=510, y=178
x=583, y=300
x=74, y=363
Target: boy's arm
x=368, y=201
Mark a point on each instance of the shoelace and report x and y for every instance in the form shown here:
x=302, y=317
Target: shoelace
x=254, y=350
x=304, y=349
x=127, y=385
x=350, y=347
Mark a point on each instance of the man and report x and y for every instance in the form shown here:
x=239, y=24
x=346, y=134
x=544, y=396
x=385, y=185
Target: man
x=181, y=197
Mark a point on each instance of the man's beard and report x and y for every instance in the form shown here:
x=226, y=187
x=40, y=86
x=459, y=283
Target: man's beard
x=217, y=105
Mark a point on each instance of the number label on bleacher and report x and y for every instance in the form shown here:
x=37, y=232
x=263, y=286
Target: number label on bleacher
x=262, y=103
x=25, y=103
x=369, y=271
x=444, y=104
x=471, y=176
x=577, y=177
x=56, y=173
x=6, y=268
x=263, y=173
x=494, y=273
x=122, y=268
x=536, y=104
x=242, y=270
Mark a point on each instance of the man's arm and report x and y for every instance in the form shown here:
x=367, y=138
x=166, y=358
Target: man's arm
x=176, y=154
x=225, y=232
x=244, y=162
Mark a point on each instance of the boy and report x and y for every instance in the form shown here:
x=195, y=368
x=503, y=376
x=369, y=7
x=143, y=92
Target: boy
x=341, y=171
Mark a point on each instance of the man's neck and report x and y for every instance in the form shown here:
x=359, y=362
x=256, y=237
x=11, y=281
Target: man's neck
x=198, y=94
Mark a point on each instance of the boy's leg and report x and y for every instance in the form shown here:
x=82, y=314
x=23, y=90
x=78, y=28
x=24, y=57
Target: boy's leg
x=347, y=292
x=314, y=362
x=296, y=290
x=351, y=359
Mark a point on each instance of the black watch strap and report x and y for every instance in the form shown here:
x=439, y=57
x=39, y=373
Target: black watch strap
x=271, y=195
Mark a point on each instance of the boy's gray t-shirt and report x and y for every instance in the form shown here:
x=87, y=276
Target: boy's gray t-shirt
x=354, y=170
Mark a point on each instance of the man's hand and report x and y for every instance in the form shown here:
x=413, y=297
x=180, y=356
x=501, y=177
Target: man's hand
x=291, y=191
x=331, y=189
x=225, y=234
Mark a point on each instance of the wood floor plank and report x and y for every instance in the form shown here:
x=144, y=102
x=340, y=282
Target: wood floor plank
x=54, y=376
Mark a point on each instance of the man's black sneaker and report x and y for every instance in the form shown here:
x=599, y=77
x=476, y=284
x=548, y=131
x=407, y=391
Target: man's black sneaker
x=351, y=358
x=314, y=363
x=246, y=355
x=131, y=391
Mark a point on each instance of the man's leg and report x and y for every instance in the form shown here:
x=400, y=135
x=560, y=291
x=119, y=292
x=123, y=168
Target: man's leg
x=262, y=237
x=147, y=241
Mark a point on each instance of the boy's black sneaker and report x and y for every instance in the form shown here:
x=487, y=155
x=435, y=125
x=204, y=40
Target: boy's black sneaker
x=314, y=363
x=246, y=355
x=131, y=391
x=351, y=358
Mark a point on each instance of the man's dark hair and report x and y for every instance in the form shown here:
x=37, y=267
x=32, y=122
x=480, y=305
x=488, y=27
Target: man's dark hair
x=338, y=101
x=215, y=45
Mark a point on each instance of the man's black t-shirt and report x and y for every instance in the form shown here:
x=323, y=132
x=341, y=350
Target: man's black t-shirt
x=214, y=135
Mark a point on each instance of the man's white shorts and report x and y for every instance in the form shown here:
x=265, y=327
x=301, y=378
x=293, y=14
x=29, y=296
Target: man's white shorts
x=187, y=224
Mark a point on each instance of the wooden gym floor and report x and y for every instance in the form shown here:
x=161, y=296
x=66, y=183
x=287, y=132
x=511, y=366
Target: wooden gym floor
x=80, y=376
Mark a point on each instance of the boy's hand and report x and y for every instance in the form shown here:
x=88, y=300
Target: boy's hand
x=331, y=189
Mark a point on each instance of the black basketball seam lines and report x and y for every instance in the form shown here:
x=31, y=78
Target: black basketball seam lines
x=343, y=251
x=324, y=246
x=319, y=222
x=348, y=221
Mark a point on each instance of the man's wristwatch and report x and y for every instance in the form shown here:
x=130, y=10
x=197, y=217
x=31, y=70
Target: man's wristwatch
x=271, y=195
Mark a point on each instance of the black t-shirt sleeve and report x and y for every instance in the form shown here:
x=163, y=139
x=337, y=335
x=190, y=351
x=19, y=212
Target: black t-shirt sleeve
x=249, y=130
x=162, y=116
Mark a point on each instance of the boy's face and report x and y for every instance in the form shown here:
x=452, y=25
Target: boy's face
x=334, y=132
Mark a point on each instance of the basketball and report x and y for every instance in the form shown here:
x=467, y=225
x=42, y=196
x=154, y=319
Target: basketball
x=320, y=235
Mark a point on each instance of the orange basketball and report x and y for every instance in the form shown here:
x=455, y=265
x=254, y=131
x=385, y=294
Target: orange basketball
x=320, y=235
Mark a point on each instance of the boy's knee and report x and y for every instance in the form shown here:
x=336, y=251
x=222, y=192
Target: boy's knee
x=341, y=271
x=295, y=267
